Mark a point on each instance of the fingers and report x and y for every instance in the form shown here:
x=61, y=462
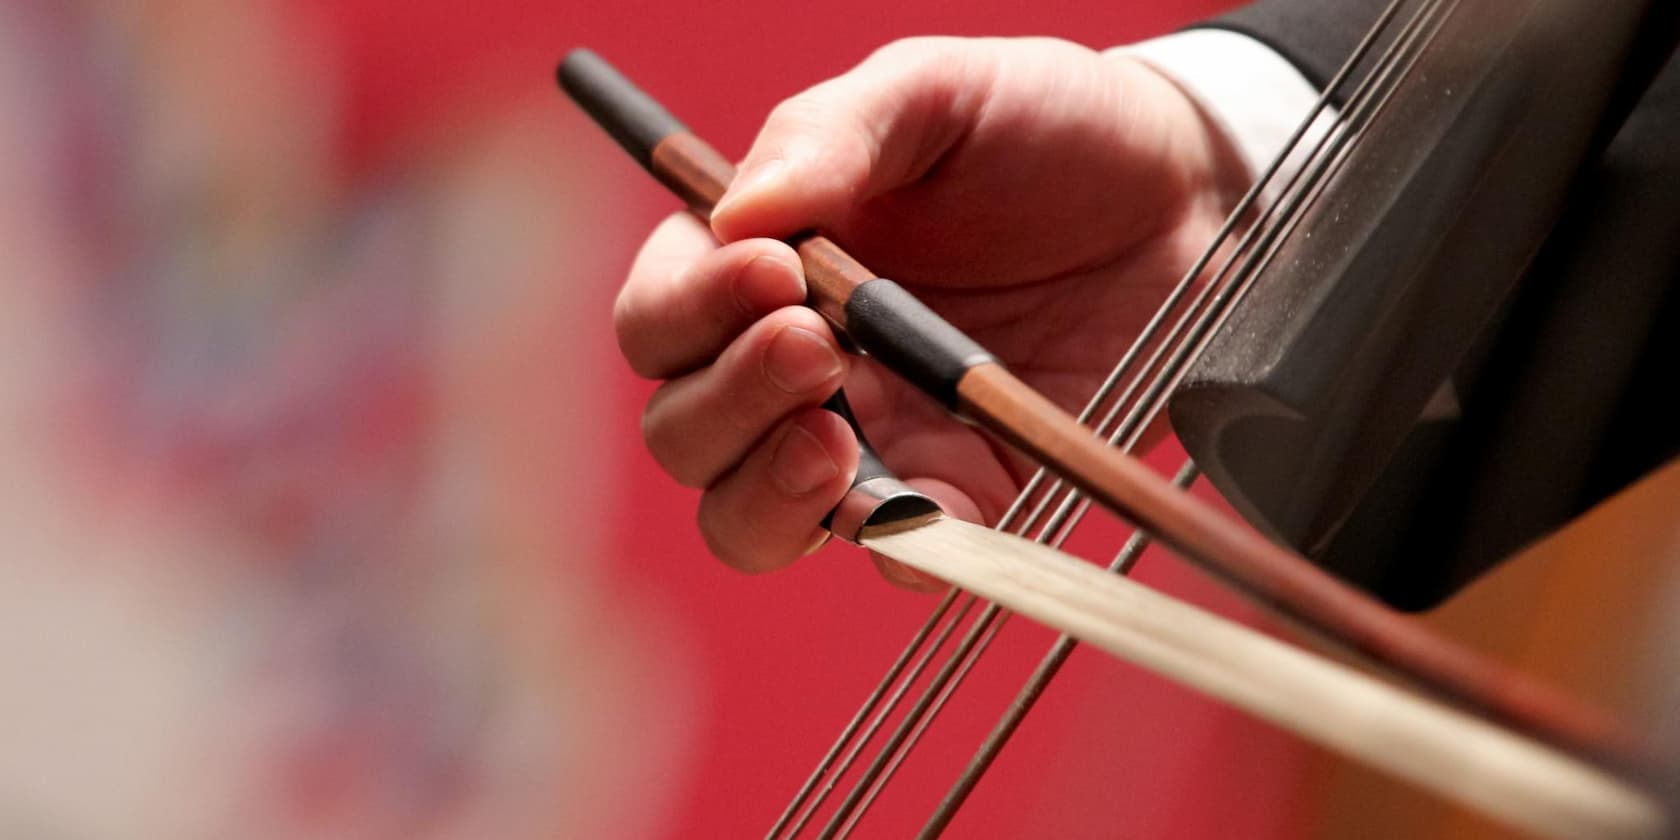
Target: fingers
x=747, y=368
x=765, y=514
x=701, y=425
x=686, y=298
x=831, y=148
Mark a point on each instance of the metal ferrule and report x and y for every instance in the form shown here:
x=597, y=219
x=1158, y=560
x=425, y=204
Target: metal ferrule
x=878, y=501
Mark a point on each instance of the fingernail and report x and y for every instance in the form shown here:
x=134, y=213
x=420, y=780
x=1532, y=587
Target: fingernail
x=800, y=463
x=757, y=178
x=799, y=360
x=765, y=284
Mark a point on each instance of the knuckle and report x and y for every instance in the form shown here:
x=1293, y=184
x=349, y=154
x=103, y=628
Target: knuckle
x=919, y=50
x=899, y=48
x=798, y=115
x=646, y=315
x=668, y=446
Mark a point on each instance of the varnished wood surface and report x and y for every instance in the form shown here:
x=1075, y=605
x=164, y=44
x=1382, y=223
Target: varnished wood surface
x=691, y=168
x=830, y=275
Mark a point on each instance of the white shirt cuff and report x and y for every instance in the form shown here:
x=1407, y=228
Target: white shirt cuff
x=1255, y=95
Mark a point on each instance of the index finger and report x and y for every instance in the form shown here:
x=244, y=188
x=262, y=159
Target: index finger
x=686, y=298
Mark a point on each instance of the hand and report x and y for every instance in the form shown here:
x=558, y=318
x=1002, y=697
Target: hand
x=1038, y=194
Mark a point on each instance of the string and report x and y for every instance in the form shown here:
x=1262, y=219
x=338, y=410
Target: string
x=863, y=712
x=1361, y=114
x=1033, y=688
x=881, y=717
x=1071, y=509
x=985, y=622
x=904, y=750
x=1255, y=250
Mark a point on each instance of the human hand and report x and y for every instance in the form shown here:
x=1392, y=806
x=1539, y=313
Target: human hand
x=1041, y=196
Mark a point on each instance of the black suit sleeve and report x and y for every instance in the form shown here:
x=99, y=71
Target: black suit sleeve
x=1571, y=396
x=1314, y=35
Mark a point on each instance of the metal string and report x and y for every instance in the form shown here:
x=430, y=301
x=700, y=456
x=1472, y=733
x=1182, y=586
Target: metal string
x=1121, y=565
x=905, y=749
x=881, y=716
x=1056, y=530
x=1255, y=250
x=864, y=711
x=1033, y=688
x=985, y=623
x=1132, y=420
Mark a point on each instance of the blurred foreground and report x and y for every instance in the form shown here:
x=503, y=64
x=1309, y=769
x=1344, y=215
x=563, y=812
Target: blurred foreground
x=284, y=455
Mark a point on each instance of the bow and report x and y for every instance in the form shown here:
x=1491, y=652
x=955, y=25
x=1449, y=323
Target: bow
x=889, y=325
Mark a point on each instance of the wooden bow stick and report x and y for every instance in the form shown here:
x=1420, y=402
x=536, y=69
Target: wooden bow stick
x=884, y=320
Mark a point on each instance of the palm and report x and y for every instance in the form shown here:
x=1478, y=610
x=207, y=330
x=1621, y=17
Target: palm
x=1052, y=255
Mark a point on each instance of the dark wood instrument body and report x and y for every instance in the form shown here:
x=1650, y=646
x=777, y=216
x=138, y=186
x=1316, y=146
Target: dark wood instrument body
x=1308, y=410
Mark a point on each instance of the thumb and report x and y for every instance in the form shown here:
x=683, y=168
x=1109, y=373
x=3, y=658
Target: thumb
x=826, y=151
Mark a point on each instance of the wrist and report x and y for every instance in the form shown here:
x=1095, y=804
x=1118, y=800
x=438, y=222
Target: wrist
x=1213, y=166
x=1251, y=96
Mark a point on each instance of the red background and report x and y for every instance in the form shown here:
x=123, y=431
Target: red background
x=781, y=661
